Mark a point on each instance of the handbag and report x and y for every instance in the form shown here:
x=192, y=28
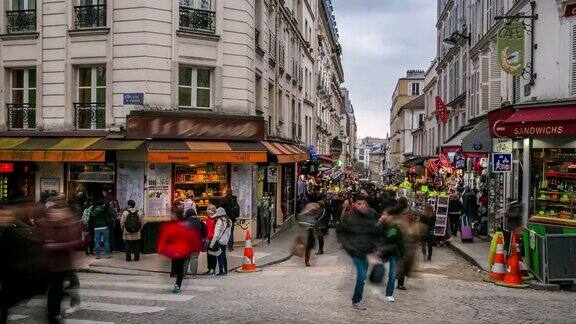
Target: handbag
x=216, y=246
x=377, y=274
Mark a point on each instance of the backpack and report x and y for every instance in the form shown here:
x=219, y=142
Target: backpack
x=132, y=224
x=86, y=216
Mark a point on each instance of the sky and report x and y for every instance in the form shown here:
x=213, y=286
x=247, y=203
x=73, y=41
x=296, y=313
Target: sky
x=381, y=39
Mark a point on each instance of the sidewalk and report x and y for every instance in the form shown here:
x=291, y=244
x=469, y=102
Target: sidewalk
x=475, y=252
x=264, y=254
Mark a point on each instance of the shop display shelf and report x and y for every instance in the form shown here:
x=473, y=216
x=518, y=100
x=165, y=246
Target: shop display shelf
x=553, y=220
x=200, y=182
x=563, y=175
x=554, y=202
x=557, y=192
x=208, y=198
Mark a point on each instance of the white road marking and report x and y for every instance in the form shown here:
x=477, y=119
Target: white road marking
x=142, y=285
x=79, y=321
x=134, y=295
x=105, y=307
x=16, y=317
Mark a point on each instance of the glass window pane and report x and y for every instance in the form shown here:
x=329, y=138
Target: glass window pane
x=184, y=97
x=84, y=95
x=101, y=76
x=203, y=98
x=32, y=97
x=31, y=4
x=17, y=5
x=185, y=76
x=204, y=4
x=17, y=96
x=85, y=77
x=186, y=3
x=101, y=95
x=18, y=79
x=203, y=78
x=31, y=78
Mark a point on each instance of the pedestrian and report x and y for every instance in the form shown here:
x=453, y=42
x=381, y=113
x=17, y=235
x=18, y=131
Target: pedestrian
x=358, y=233
x=220, y=240
x=177, y=215
x=322, y=222
x=455, y=212
x=428, y=219
x=87, y=229
x=132, y=222
x=197, y=230
x=410, y=230
x=101, y=220
x=390, y=248
x=210, y=228
x=232, y=209
x=307, y=220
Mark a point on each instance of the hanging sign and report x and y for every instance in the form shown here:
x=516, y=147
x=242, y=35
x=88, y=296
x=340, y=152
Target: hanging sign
x=511, y=47
x=441, y=110
x=502, y=145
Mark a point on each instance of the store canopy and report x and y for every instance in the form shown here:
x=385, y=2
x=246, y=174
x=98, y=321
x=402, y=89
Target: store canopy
x=75, y=149
x=478, y=139
x=325, y=159
x=416, y=160
x=206, y=152
x=539, y=119
x=116, y=145
x=285, y=153
x=456, y=139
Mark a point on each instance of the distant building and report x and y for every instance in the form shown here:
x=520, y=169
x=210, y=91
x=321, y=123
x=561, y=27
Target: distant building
x=377, y=162
x=364, y=148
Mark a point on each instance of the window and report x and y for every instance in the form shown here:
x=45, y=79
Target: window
x=415, y=89
x=91, y=105
x=90, y=13
x=22, y=109
x=197, y=15
x=21, y=17
x=194, y=88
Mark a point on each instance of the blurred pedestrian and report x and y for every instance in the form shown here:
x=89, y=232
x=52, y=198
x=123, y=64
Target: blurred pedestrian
x=132, y=222
x=101, y=219
x=390, y=248
x=197, y=236
x=455, y=212
x=222, y=232
x=210, y=228
x=322, y=222
x=307, y=220
x=87, y=229
x=358, y=234
x=428, y=219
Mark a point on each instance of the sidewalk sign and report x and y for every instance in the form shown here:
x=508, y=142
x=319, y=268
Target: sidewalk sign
x=441, y=216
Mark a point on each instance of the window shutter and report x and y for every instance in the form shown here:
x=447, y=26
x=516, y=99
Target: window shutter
x=485, y=83
x=573, y=63
x=495, y=81
x=516, y=82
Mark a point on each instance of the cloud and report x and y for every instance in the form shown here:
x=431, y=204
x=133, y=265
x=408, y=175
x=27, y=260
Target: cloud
x=381, y=39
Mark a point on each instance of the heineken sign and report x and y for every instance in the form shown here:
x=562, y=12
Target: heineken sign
x=511, y=47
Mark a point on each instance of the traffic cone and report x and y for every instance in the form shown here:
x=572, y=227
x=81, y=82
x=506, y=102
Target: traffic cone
x=523, y=267
x=513, y=277
x=248, y=265
x=498, y=268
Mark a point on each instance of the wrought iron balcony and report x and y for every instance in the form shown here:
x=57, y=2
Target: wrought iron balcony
x=91, y=115
x=272, y=45
x=197, y=20
x=21, y=116
x=21, y=21
x=90, y=16
x=281, y=54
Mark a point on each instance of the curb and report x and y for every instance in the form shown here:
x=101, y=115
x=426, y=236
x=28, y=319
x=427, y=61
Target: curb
x=467, y=257
x=537, y=285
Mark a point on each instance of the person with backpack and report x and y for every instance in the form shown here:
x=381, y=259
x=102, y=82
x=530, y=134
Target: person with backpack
x=101, y=220
x=232, y=209
x=132, y=222
x=87, y=229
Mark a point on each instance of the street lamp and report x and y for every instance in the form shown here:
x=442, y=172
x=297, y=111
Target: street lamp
x=455, y=39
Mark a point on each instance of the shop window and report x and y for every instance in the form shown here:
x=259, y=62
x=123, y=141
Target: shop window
x=22, y=107
x=204, y=184
x=195, y=88
x=90, y=107
x=92, y=180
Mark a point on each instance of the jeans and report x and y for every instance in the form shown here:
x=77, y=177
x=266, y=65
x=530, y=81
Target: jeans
x=102, y=234
x=427, y=243
x=132, y=247
x=393, y=267
x=361, y=264
x=222, y=261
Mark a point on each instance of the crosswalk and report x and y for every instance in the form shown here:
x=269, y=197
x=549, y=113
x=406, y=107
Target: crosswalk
x=114, y=294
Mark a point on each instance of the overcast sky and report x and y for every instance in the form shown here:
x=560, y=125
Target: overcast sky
x=381, y=39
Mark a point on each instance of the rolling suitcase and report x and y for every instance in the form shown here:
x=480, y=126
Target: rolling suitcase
x=465, y=230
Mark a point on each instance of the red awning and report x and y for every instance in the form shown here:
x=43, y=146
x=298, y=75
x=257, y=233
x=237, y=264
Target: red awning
x=544, y=114
x=326, y=159
x=546, y=121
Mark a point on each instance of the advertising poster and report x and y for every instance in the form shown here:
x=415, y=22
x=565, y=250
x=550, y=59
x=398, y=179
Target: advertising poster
x=159, y=192
x=130, y=184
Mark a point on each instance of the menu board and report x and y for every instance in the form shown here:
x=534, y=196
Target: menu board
x=241, y=182
x=130, y=184
x=159, y=192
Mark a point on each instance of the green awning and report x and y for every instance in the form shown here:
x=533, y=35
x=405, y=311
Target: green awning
x=10, y=142
x=116, y=145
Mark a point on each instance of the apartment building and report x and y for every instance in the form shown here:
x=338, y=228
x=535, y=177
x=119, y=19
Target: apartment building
x=348, y=130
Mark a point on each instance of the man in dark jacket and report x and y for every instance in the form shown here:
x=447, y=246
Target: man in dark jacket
x=358, y=234
x=232, y=209
x=101, y=219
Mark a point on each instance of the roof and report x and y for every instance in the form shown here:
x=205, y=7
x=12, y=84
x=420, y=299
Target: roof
x=416, y=103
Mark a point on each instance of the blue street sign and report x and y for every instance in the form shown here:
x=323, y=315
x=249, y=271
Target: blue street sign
x=501, y=162
x=134, y=99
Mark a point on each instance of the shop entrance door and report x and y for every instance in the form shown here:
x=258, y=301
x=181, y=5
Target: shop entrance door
x=288, y=197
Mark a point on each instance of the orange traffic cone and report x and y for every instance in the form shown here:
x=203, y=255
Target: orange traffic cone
x=248, y=265
x=522, y=263
x=513, y=277
x=498, y=268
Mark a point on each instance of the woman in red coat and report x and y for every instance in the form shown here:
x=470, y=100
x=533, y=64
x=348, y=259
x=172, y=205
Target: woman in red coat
x=210, y=227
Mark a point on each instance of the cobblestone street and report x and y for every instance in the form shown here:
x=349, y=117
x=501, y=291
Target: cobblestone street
x=446, y=290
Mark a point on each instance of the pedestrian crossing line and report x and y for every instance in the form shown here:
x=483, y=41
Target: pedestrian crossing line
x=105, y=307
x=133, y=295
x=81, y=321
x=142, y=285
x=16, y=317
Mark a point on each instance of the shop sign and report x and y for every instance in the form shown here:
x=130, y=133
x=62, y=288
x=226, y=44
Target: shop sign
x=477, y=146
x=501, y=162
x=441, y=110
x=136, y=99
x=570, y=10
x=272, y=174
x=502, y=145
x=6, y=167
x=50, y=186
x=178, y=125
x=204, y=157
x=511, y=47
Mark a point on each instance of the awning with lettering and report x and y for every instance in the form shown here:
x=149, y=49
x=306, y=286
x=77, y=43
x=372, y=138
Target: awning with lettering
x=285, y=153
x=50, y=149
x=206, y=152
x=547, y=120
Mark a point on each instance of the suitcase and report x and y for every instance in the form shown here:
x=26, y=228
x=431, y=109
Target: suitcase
x=465, y=230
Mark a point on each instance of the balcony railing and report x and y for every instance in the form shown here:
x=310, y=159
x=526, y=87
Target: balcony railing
x=21, y=116
x=90, y=115
x=21, y=21
x=198, y=20
x=281, y=54
x=272, y=45
x=90, y=16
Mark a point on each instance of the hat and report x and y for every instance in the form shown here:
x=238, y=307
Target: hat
x=220, y=212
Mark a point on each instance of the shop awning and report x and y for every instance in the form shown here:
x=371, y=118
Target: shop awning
x=325, y=159
x=75, y=149
x=116, y=145
x=456, y=140
x=206, y=152
x=415, y=161
x=285, y=153
x=478, y=139
x=546, y=120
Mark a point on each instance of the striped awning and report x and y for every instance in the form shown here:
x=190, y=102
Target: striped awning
x=285, y=153
x=205, y=152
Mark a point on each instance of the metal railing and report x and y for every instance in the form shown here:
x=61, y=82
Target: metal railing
x=21, y=116
x=90, y=115
x=90, y=16
x=281, y=54
x=272, y=45
x=21, y=21
x=198, y=20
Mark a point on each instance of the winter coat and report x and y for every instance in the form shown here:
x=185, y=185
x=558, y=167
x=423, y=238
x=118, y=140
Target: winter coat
x=210, y=226
x=222, y=232
x=323, y=218
x=455, y=207
x=391, y=241
x=127, y=235
x=100, y=216
x=358, y=232
x=200, y=232
x=61, y=237
x=232, y=208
